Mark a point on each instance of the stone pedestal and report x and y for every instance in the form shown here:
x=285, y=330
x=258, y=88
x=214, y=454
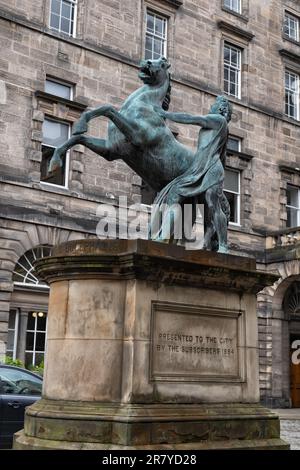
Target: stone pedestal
x=150, y=347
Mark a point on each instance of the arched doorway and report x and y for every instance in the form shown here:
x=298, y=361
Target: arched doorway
x=28, y=310
x=291, y=306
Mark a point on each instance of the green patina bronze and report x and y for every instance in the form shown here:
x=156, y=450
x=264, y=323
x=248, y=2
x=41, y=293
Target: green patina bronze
x=139, y=136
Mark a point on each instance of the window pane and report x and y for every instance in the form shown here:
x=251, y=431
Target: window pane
x=55, y=133
x=232, y=199
x=292, y=217
x=29, y=341
x=55, y=6
x=233, y=89
x=58, y=175
x=292, y=94
x=150, y=23
x=41, y=321
x=66, y=10
x=28, y=359
x=292, y=197
x=226, y=54
x=58, y=89
x=155, y=41
x=160, y=27
x=233, y=144
x=157, y=47
x=62, y=15
x=291, y=26
x=10, y=340
x=231, y=182
x=54, y=21
x=65, y=25
x=232, y=62
x=40, y=342
x=31, y=321
x=39, y=358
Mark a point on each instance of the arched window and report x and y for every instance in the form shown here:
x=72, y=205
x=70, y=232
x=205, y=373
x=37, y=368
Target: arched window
x=28, y=314
x=24, y=273
x=291, y=301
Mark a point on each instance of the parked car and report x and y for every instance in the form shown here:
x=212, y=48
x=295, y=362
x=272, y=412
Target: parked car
x=18, y=388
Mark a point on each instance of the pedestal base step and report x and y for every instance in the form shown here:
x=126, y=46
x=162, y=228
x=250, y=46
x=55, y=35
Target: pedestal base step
x=23, y=442
x=53, y=424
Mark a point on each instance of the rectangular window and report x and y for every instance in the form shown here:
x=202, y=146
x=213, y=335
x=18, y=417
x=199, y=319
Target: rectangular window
x=291, y=26
x=232, y=70
x=156, y=36
x=12, y=334
x=232, y=192
x=292, y=206
x=35, y=338
x=292, y=94
x=55, y=133
x=60, y=89
x=63, y=16
x=234, y=144
x=235, y=5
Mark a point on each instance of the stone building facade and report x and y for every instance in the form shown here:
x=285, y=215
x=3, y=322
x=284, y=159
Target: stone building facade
x=60, y=56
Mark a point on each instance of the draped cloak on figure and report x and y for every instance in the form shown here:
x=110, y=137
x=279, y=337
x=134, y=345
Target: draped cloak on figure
x=207, y=170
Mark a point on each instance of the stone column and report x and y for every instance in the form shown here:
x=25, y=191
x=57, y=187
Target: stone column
x=21, y=345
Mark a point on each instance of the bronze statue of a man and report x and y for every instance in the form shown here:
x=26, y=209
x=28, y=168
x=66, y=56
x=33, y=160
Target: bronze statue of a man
x=204, y=177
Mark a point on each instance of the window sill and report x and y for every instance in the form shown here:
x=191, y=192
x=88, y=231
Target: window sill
x=292, y=120
x=293, y=41
x=52, y=188
x=241, y=155
x=234, y=99
x=289, y=169
x=234, y=225
x=235, y=13
x=236, y=30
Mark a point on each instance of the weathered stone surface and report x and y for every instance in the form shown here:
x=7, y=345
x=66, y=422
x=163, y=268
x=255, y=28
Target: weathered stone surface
x=113, y=387
x=94, y=425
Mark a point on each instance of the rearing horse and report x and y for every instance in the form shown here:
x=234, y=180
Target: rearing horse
x=136, y=133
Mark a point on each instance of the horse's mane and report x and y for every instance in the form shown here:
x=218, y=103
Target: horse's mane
x=167, y=100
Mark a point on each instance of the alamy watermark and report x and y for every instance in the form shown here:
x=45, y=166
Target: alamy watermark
x=296, y=354
x=184, y=223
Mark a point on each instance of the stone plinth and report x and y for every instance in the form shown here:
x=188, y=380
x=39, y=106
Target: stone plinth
x=149, y=346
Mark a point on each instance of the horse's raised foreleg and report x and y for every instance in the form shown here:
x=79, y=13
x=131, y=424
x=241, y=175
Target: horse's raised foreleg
x=81, y=126
x=122, y=123
x=100, y=146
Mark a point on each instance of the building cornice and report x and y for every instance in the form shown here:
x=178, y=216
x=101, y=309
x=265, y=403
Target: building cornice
x=289, y=169
x=236, y=30
x=70, y=103
x=290, y=55
x=174, y=3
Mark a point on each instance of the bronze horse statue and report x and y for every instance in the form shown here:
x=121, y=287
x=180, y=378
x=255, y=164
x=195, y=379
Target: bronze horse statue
x=138, y=135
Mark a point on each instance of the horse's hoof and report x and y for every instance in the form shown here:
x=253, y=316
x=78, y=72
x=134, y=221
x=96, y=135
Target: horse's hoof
x=223, y=249
x=55, y=163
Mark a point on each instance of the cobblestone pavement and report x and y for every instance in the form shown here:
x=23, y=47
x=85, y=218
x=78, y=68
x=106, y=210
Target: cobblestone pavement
x=290, y=426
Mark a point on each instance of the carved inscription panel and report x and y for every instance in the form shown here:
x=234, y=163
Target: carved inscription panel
x=196, y=344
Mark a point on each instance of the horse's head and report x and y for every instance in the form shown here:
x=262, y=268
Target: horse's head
x=154, y=72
